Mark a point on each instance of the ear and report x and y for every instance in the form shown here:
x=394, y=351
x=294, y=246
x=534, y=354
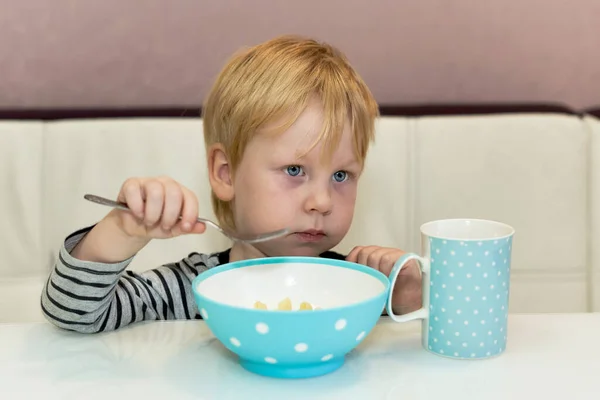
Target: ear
x=219, y=172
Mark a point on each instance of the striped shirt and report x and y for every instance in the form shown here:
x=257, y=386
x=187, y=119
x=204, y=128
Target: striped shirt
x=91, y=297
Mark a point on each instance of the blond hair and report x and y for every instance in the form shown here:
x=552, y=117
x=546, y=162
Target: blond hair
x=275, y=80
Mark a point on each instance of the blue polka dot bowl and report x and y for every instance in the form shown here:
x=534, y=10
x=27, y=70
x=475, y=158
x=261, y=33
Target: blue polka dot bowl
x=347, y=300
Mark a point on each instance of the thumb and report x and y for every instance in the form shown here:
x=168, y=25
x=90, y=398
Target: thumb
x=198, y=228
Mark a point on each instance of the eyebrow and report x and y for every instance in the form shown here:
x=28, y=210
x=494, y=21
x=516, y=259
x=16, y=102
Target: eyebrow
x=347, y=162
x=350, y=163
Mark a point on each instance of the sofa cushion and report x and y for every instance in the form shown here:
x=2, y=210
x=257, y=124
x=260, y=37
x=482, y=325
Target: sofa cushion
x=529, y=171
x=381, y=205
x=593, y=124
x=97, y=156
x=22, y=263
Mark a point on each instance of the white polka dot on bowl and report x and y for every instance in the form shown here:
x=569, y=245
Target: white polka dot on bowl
x=340, y=324
x=262, y=328
x=301, y=347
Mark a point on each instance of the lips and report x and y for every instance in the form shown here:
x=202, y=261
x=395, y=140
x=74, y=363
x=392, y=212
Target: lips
x=314, y=232
x=310, y=235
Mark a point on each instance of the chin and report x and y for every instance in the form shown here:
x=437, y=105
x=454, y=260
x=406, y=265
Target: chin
x=297, y=253
x=306, y=253
x=302, y=251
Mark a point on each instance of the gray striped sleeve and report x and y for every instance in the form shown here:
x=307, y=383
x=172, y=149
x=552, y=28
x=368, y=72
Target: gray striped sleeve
x=90, y=297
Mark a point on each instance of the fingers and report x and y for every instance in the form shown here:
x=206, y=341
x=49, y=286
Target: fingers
x=154, y=194
x=412, y=269
x=353, y=255
x=132, y=194
x=158, y=204
x=368, y=256
x=406, y=295
x=379, y=258
x=388, y=259
x=189, y=213
x=173, y=202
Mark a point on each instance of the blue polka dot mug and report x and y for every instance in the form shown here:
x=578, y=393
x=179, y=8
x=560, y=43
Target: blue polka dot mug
x=465, y=265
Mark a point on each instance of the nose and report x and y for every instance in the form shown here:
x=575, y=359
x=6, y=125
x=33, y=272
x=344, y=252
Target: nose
x=319, y=199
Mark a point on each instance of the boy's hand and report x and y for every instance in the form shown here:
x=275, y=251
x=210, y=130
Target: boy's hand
x=156, y=204
x=406, y=293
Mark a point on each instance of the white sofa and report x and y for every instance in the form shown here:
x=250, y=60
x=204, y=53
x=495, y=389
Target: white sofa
x=539, y=172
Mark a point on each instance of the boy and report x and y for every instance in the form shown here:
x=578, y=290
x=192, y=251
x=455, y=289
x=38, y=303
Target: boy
x=287, y=126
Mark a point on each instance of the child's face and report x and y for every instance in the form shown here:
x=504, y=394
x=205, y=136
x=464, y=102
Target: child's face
x=314, y=198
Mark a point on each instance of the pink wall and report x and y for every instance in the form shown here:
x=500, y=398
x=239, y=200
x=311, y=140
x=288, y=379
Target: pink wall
x=158, y=52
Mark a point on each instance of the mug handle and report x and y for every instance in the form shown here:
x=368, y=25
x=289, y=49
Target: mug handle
x=424, y=269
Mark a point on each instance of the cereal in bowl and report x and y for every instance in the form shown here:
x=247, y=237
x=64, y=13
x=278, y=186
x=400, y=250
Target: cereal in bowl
x=286, y=305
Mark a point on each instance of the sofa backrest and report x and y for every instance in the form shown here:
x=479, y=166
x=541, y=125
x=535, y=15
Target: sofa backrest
x=535, y=171
x=593, y=125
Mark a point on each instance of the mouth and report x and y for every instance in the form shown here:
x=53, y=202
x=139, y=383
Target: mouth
x=310, y=235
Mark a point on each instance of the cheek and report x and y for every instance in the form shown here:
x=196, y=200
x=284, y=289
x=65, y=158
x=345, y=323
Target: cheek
x=345, y=202
x=346, y=194
x=270, y=188
x=261, y=201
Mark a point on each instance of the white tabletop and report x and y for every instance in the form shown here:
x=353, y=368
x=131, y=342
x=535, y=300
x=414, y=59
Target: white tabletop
x=548, y=357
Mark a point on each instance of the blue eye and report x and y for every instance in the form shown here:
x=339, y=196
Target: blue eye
x=340, y=176
x=294, y=170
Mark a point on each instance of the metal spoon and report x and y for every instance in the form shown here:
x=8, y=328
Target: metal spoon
x=250, y=239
